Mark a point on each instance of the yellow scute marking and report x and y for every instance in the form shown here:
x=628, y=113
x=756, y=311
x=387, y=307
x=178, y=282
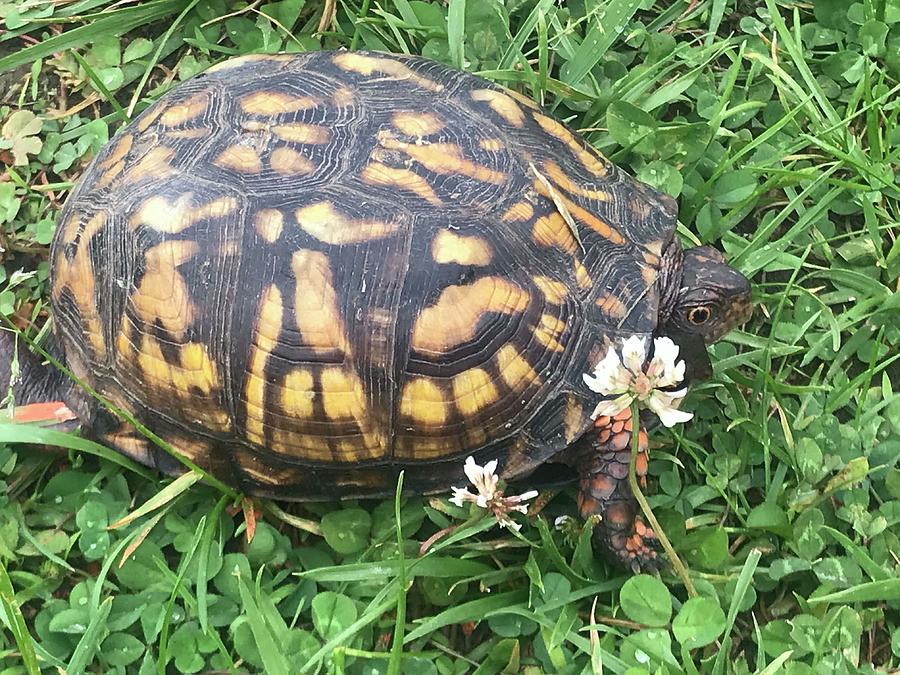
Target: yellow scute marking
x=197, y=371
x=316, y=308
x=449, y=247
x=552, y=230
x=402, y=179
x=445, y=159
x=369, y=65
x=583, y=215
x=521, y=98
x=582, y=276
x=453, y=319
x=589, y=160
x=342, y=395
x=240, y=61
x=269, y=224
x=155, y=164
x=195, y=360
x=124, y=343
x=554, y=291
x=473, y=391
x=491, y=144
x=302, y=133
x=501, y=104
x=268, y=328
x=289, y=162
x=548, y=331
x=119, y=149
x=162, y=294
x=298, y=394
x=556, y=174
x=611, y=306
x=322, y=221
x=515, y=370
x=184, y=111
x=271, y=103
x=652, y=259
x=344, y=399
x=109, y=176
x=417, y=123
x=138, y=448
x=240, y=158
x=149, y=117
x=656, y=250
x=343, y=97
x=424, y=402
x=520, y=212
x=77, y=275
x=176, y=216
x=182, y=134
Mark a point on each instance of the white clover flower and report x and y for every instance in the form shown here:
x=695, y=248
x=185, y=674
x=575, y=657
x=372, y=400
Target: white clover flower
x=489, y=497
x=562, y=523
x=627, y=380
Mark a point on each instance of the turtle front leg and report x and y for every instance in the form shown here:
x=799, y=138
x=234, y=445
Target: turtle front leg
x=604, y=492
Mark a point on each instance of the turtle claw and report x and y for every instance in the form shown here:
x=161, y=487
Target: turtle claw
x=639, y=550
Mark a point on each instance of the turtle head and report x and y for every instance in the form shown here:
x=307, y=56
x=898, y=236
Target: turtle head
x=712, y=298
x=704, y=299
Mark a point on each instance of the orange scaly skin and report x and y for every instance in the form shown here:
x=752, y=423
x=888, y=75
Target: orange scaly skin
x=604, y=491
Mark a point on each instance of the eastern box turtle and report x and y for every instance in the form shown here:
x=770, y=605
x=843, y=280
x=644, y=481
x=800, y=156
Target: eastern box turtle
x=307, y=272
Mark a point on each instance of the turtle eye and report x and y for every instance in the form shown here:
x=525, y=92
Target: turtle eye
x=699, y=315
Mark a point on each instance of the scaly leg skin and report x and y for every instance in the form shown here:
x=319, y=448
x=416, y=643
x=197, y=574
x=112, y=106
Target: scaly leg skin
x=604, y=492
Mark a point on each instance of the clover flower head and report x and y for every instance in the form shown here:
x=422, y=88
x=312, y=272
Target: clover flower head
x=624, y=380
x=488, y=496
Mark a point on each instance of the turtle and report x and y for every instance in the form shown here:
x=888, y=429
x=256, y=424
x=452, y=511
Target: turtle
x=310, y=271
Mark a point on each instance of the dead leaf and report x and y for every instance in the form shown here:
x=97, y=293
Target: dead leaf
x=20, y=135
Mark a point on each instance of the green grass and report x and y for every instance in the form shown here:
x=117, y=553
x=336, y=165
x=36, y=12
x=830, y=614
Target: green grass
x=775, y=124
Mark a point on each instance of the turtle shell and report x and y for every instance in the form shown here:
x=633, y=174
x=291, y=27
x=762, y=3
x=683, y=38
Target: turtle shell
x=307, y=272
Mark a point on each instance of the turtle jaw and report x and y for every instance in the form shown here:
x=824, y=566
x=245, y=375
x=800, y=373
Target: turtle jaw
x=692, y=348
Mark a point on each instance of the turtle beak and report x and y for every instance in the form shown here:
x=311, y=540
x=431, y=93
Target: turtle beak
x=692, y=348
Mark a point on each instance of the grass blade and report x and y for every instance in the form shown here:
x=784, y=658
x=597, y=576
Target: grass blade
x=514, y=50
x=97, y=83
x=400, y=620
x=22, y=433
x=456, y=32
x=270, y=652
x=428, y=566
x=203, y=563
x=176, y=586
x=743, y=584
x=90, y=641
x=886, y=590
x=473, y=610
x=174, y=489
x=15, y=622
x=112, y=23
x=872, y=568
x=608, y=23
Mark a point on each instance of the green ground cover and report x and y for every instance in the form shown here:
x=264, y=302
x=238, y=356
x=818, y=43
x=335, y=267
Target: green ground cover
x=773, y=122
